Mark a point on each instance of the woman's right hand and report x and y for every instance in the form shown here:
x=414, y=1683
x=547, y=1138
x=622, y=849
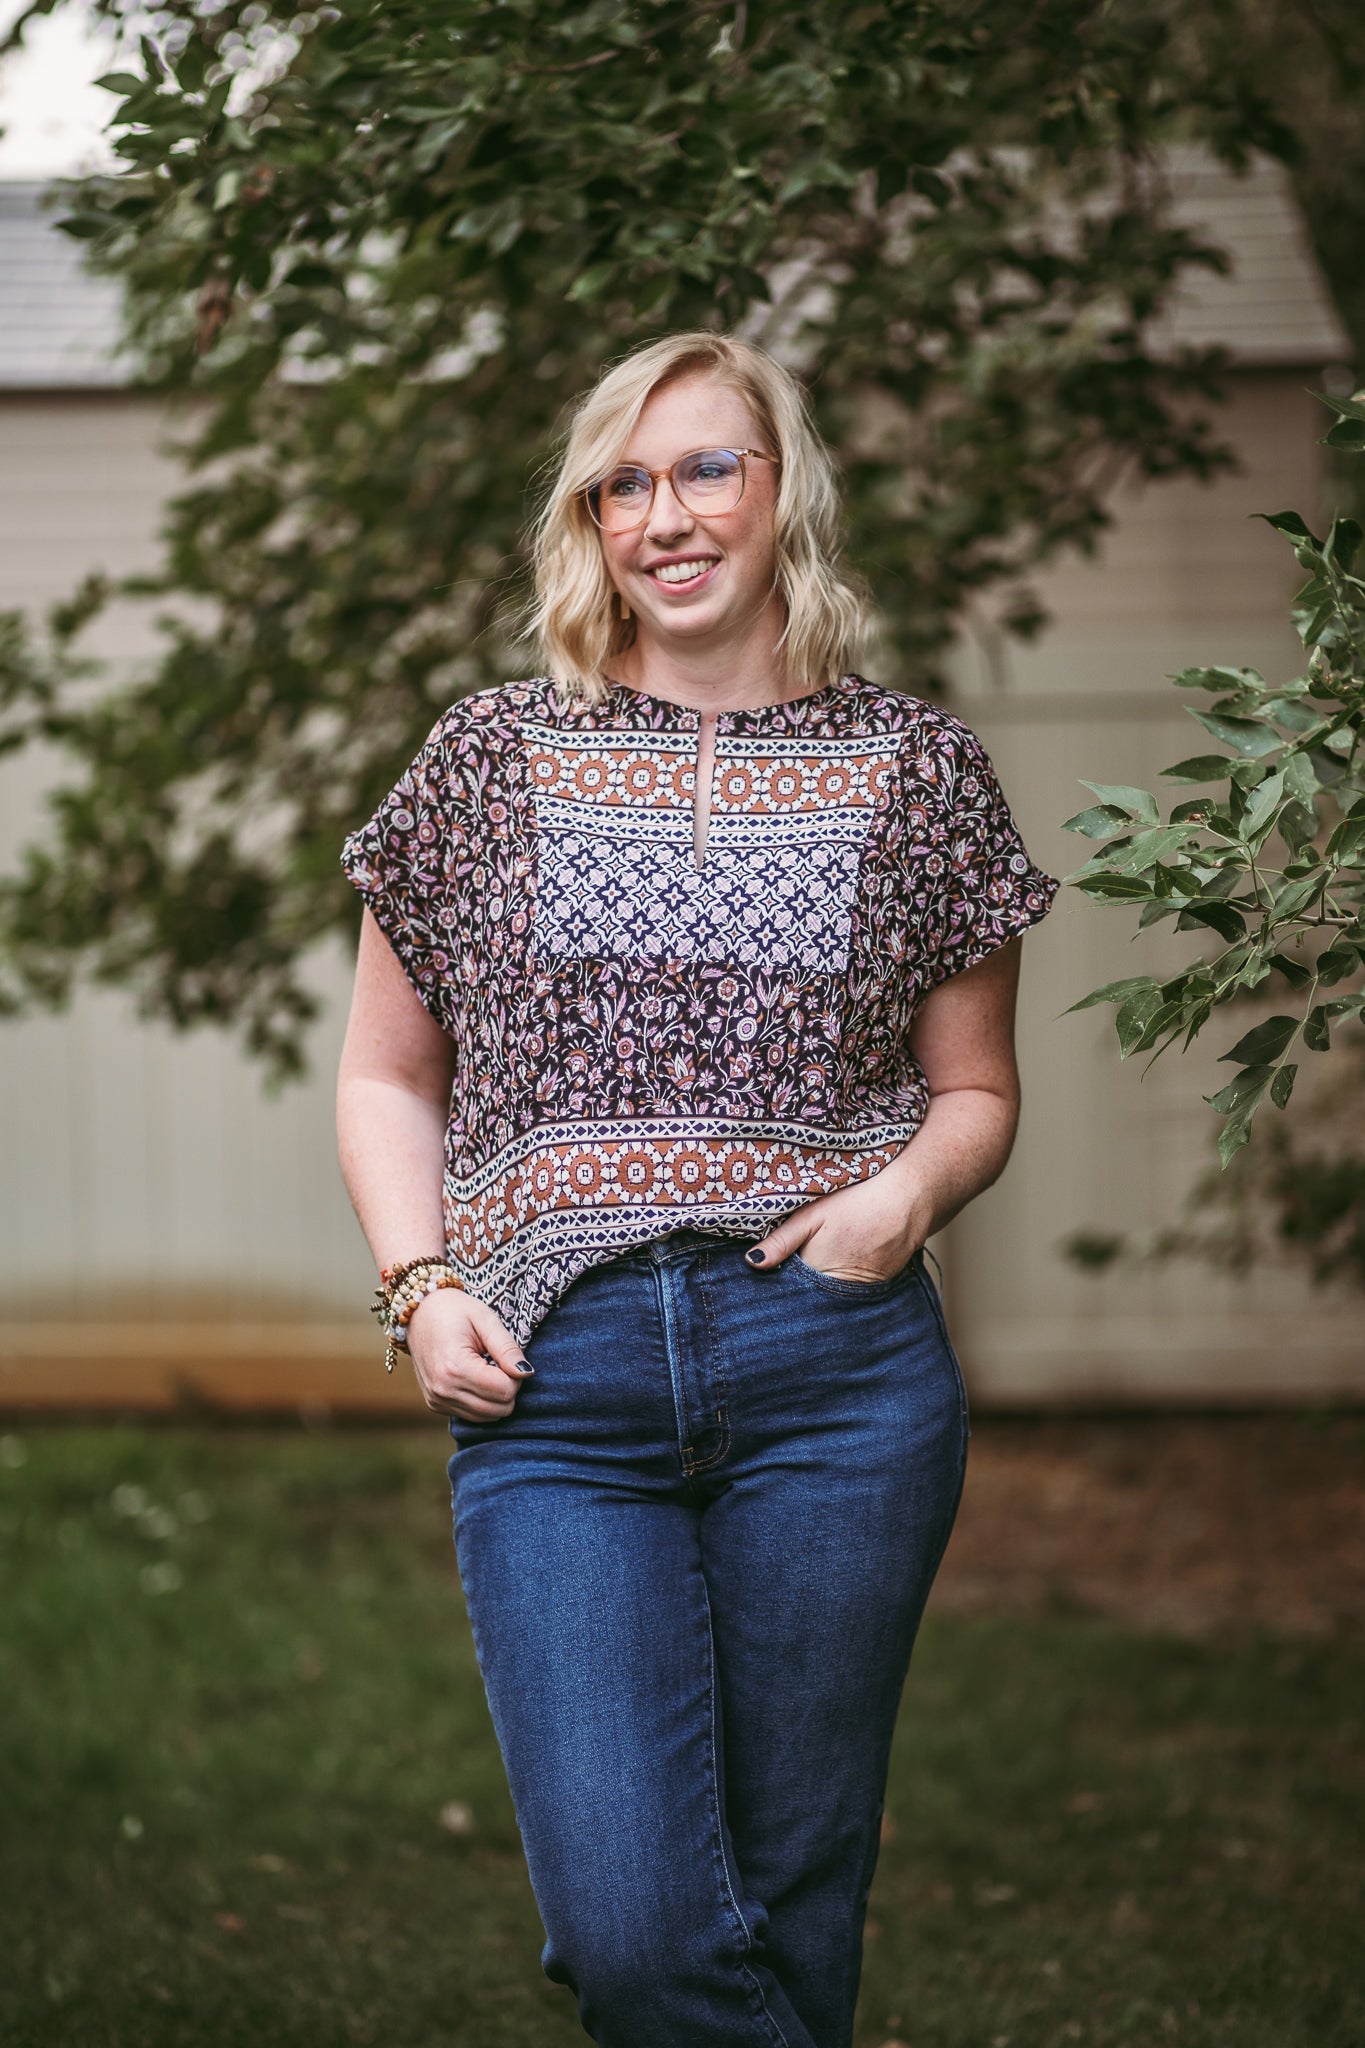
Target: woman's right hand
x=449, y=1334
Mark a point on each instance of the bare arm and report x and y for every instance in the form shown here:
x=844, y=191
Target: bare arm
x=393, y=1094
x=963, y=1037
x=393, y=1097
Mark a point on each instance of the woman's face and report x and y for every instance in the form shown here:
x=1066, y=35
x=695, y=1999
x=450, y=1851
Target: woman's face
x=724, y=561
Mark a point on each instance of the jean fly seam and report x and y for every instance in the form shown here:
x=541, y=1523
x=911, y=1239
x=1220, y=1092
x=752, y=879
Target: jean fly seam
x=672, y=1352
x=776, y=2036
x=713, y=1335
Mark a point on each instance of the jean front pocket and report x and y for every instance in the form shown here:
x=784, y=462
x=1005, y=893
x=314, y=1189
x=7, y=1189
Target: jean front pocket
x=852, y=1290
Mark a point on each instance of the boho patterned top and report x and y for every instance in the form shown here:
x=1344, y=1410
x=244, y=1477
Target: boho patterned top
x=642, y=1041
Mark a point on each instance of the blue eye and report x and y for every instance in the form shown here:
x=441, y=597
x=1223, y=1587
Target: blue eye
x=712, y=466
x=623, y=485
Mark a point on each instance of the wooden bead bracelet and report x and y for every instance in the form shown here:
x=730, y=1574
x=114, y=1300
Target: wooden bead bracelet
x=401, y=1288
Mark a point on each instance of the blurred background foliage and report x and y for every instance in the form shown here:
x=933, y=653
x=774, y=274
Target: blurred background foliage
x=379, y=250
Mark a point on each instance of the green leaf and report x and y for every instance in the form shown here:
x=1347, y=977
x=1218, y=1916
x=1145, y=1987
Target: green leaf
x=1247, y=1087
x=1295, y=896
x=1138, y=803
x=591, y=283
x=1113, y=992
x=1336, y=963
x=1218, y=680
x=1239, y=1101
x=1222, y=918
x=84, y=227
x=1162, y=1020
x=1147, y=849
x=1126, y=887
x=1300, y=718
x=1282, y=1087
x=1317, y=1034
x=1294, y=971
x=124, y=82
x=1261, y=809
x=1352, y=408
x=1199, y=768
x=1132, y=1018
x=1101, y=821
x=1346, y=842
x=1247, y=735
x=1264, y=1043
x=1289, y=522
x=1343, y=541
x=1300, y=779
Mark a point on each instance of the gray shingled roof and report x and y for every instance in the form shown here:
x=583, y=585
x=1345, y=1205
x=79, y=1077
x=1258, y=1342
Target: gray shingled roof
x=59, y=326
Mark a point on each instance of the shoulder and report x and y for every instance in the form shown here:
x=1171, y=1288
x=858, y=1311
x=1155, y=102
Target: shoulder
x=475, y=746
x=939, y=751
x=482, y=720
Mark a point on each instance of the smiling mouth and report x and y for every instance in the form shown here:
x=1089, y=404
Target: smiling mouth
x=675, y=573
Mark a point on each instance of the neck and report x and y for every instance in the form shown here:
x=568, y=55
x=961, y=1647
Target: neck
x=732, y=671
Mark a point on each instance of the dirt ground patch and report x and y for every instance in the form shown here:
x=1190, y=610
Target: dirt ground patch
x=1184, y=1524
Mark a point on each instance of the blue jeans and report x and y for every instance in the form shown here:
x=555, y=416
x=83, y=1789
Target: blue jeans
x=695, y=1558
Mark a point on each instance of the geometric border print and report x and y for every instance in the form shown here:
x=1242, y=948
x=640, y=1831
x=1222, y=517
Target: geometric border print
x=616, y=875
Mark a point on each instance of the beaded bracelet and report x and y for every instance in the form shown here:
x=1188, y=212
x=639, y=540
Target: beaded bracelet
x=402, y=1288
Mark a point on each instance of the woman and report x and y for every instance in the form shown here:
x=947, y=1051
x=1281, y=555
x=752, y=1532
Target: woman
x=683, y=1017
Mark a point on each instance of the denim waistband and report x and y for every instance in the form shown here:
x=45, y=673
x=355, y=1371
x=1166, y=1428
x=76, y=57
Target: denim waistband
x=676, y=1244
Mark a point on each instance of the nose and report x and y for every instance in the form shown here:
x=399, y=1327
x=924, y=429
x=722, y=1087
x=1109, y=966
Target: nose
x=668, y=516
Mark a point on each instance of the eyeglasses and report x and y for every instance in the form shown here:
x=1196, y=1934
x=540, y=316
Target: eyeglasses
x=708, y=481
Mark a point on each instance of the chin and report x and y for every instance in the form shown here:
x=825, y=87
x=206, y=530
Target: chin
x=682, y=625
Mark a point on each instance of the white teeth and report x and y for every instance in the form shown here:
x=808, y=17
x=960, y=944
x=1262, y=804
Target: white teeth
x=680, y=572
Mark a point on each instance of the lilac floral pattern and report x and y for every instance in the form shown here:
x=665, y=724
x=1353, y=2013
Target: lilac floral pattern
x=642, y=1043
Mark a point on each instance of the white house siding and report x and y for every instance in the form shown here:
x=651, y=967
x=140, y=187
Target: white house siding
x=1186, y=578
x=163, y=1220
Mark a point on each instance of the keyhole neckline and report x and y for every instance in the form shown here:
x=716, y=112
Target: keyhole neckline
x=703, y=786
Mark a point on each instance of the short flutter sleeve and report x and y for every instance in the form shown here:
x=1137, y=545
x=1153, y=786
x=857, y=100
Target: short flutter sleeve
x=993, y=891
x=409, y=863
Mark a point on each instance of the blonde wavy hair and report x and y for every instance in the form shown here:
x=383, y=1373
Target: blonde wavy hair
x=573, y=618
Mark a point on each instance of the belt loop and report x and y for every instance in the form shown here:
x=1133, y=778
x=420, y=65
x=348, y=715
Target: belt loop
x=937, y=1268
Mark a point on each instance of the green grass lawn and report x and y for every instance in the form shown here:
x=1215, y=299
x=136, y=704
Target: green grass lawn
x=239, y=1694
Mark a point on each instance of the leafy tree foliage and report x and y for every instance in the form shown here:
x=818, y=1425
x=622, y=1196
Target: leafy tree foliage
x=377, y=248
x=1273, y=863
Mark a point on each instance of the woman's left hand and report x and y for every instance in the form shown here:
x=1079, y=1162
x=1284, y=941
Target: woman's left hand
x=866, y=1232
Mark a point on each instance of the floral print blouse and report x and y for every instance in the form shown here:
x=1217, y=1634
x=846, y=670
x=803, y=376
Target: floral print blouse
x=643, y=1041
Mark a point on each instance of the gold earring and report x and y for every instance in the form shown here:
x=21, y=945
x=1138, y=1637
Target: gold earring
x=621, y=608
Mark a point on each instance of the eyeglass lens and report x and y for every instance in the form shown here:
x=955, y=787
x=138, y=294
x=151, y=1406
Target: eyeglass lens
x=711, y=480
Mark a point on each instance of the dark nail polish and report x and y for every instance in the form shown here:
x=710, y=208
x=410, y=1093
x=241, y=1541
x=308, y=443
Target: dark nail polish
x=756, y=1257
x=523, y=1365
